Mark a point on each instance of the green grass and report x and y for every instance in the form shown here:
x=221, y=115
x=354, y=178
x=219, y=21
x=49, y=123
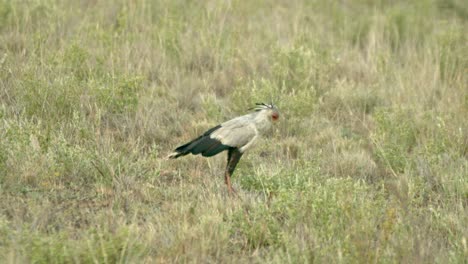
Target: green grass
x=368, y=164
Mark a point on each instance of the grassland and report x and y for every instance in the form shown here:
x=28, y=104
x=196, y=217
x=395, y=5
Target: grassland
x=369, y=163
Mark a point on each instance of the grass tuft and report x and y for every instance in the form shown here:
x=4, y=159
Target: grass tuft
x=368, y=163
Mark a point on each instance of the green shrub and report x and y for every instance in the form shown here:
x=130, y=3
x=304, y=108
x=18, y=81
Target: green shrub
x=5, y=13
x=394, y=138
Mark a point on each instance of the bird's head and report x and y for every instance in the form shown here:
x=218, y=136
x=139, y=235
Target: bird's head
x=269, y=110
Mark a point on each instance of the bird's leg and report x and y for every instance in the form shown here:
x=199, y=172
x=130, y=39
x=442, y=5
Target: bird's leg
x=227, y=179
x=234, y=156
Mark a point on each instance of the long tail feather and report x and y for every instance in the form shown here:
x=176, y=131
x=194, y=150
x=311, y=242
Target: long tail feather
x=204, y=144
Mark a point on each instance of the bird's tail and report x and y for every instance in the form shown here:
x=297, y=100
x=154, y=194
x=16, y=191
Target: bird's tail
x=175, y=155
x=203, y=145
x=180, y=151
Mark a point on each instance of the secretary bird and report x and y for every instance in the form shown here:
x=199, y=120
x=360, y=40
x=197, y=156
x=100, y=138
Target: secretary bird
x=236, y=136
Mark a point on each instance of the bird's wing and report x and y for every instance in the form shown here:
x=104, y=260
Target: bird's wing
x=237, y=132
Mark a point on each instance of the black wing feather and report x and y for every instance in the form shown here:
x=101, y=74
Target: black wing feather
x=204, y=144
x=215, y=150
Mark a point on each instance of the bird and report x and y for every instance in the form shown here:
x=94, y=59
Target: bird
x=235, y=136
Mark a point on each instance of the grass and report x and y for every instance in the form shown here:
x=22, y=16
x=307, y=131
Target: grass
x=369, y=163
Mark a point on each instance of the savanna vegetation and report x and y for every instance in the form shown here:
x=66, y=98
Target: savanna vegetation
x=368, y=164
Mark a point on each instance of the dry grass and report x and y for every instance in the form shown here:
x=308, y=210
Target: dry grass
x=369, y=163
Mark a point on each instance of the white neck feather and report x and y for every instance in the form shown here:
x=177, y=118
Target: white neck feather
x=262, y=121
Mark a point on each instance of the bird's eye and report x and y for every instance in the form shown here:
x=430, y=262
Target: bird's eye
x=275, y=116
